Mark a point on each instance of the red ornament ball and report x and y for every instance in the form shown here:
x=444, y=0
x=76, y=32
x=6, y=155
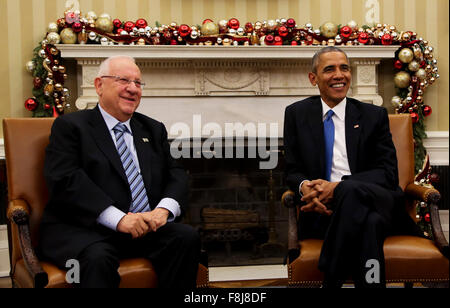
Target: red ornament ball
x=414, y=117
x=426, y=110
x=269, y=39
x=427, y=217
x=47, y=106
x=346, y=31
x=119, y=31
x=278, y=40
x=141, y=23
x=249, y=27
x=184, y=30
x=31, y=104
x=37, y=82
x=363, y=38
x=294, y=43
x=77, y=27
x=233, y=23
x=290, y=23
x=117, y=23
x=128, y=26
x=283, y=31
x=434, y=178
x=386, y=39
x=398, y=64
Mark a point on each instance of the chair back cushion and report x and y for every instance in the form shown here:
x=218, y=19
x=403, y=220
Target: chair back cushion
x=402, y=136
x=25, y=143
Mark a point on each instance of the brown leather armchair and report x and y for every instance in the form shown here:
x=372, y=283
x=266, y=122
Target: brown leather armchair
x=409, y=259
x=25, y=143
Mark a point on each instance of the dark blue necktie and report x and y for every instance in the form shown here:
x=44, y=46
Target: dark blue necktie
x=138, y=192
x=328, y=133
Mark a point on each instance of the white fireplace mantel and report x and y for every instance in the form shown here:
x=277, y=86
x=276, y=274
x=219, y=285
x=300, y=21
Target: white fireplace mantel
x=224, y=84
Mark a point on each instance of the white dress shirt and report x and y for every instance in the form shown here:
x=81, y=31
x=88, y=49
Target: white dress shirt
x=111, y=216
x=340, y=166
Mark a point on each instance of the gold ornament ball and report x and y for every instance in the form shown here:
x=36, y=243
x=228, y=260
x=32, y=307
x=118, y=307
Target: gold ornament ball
x=210, y=28
x=68, y=36
x=271, y=24
x=91, y=16
x=421, y=74
x=52, y=27
x=329, y=30
x=402, y=79
x=396, y=101
x=406, y=55
x=48, y=88
x=418, y=53
x=413, y=66
x=352, y=24
x=53, y=38
x=30, y=66
x=104, y=24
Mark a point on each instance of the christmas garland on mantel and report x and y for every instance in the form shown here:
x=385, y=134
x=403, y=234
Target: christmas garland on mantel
x=415, y=68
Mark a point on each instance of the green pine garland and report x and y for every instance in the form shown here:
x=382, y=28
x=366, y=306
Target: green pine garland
x=38, y=93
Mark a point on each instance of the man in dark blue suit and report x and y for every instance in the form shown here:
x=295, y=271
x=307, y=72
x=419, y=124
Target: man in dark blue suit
x=114, y=189
x=342, y=164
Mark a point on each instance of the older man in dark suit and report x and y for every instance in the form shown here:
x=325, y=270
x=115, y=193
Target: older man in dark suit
x=115, y=190
x=341, y=162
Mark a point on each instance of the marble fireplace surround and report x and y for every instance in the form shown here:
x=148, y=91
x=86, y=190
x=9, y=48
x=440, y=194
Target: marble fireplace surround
x=224, y=84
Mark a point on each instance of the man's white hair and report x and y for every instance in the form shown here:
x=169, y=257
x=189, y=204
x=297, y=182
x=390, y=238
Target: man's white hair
x=104, y=68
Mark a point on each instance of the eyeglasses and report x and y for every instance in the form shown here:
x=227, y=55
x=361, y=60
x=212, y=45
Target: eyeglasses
x=125, y=81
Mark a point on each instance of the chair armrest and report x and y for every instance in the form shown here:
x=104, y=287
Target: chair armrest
x=426, y=194
x=18, y=213
x=288, y=199
x=293, y=247
x=431, y=197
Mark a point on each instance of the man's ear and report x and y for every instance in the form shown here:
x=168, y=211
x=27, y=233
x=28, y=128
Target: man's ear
x=312, y=78
x=98, y=83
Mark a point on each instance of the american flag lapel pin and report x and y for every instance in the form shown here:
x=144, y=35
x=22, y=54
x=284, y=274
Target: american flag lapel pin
x=145, y=140
x=356, y=126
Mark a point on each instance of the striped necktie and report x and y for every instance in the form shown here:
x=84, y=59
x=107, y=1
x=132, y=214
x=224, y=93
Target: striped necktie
x=138, y=192
x=328, y=133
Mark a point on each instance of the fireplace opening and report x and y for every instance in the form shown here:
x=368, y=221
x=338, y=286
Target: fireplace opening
x=236, y=208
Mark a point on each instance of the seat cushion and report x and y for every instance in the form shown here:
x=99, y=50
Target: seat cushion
x=408, y=258
x=135, y=273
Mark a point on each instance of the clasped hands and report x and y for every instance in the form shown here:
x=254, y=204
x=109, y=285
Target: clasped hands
x=139, y=224
x=318, y=194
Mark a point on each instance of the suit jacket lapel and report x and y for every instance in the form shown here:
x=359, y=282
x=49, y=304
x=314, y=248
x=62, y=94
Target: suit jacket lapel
x=352, y=134
x=105, y=143
x=315, y=121
x=143, y=149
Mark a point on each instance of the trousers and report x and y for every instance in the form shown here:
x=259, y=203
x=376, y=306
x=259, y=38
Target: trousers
x=354, y=234
x=174, y=250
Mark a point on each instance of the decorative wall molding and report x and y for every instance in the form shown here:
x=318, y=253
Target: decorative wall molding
x=437, y=147
x=224, y=84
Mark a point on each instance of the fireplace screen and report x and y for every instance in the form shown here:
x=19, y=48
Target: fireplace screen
x=236, y=208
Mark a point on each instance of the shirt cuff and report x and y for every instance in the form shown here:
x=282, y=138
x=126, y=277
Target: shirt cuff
x=172, y=206
x=111, y=217
x=300, y=188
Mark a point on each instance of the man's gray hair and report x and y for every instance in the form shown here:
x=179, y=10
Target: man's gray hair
x=104, y=68
x=316, y=57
